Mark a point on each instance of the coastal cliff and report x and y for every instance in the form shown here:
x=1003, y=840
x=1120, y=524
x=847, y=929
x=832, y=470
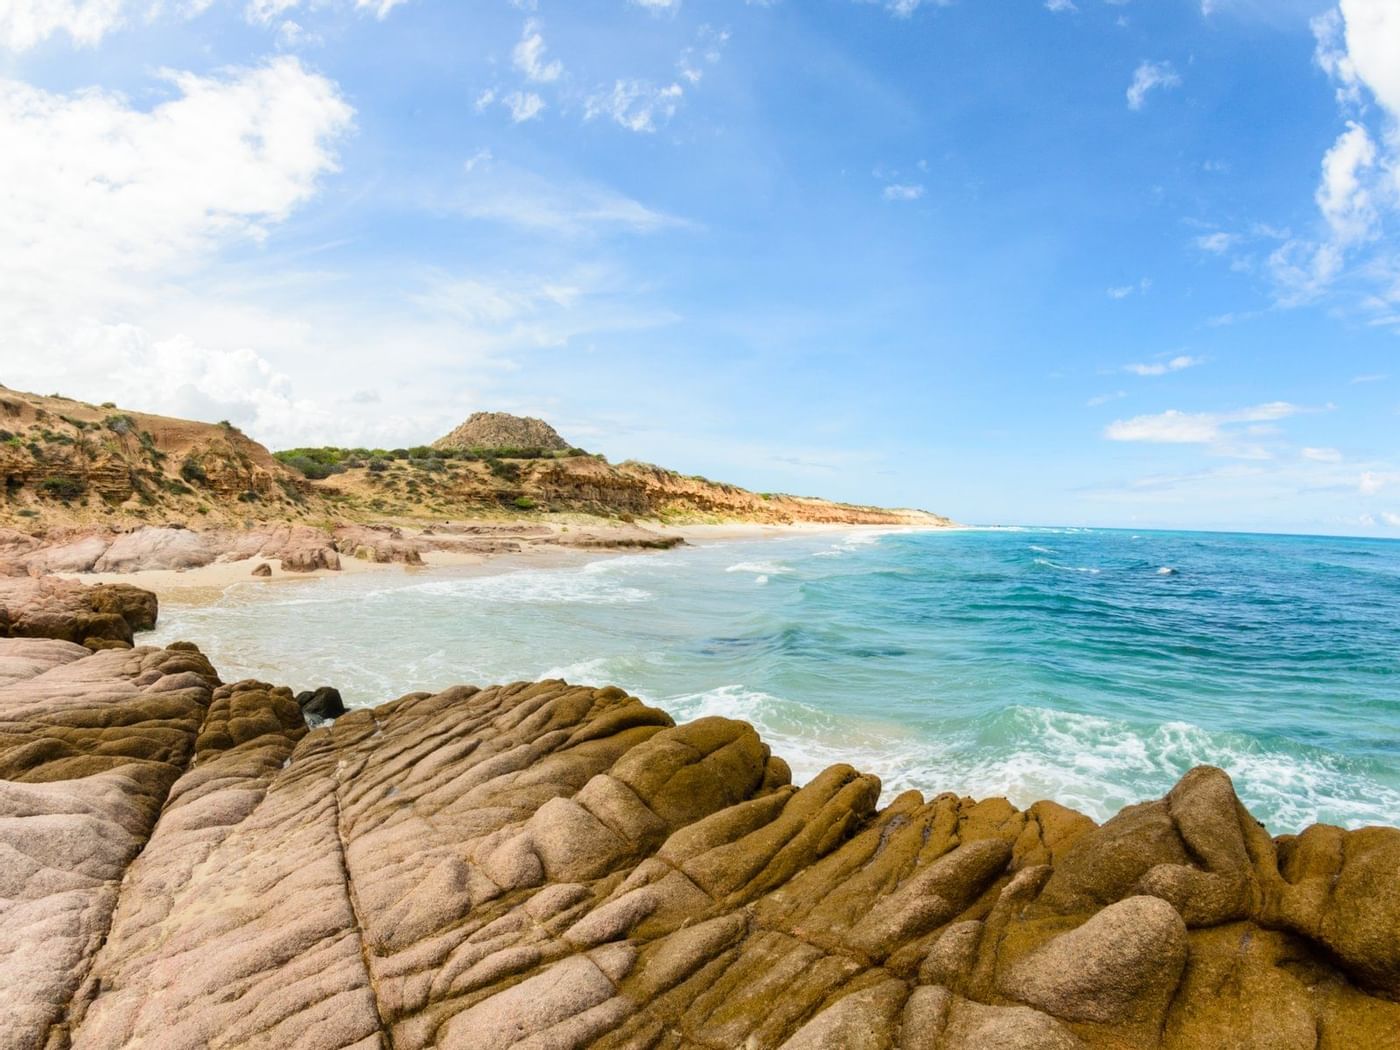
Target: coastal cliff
x=547, y=865
x=70, y=466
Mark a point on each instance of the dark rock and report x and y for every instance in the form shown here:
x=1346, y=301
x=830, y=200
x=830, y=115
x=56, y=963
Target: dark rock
x=324, y=702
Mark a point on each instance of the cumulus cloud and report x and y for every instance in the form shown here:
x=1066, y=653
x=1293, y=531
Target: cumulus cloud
x=96, y=186
x=109, y=204
x=1161, y=368
x=1149, y=77
x=1358, y=191
x=26, y=23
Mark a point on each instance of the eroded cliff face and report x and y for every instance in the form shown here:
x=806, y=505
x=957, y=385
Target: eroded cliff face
x=68, y=465
x=545, y=865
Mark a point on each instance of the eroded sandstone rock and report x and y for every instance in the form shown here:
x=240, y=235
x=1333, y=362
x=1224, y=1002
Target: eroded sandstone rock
x=545, y=865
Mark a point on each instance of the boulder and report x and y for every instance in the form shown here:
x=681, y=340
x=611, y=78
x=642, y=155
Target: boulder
x=322, y=703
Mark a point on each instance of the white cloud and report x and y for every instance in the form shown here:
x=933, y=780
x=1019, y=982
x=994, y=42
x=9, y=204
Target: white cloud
x=523, y=105
x=1322, y=455
x=1372, y=482
x=1358, y=192
x=1161, y=368
x=1370, y=377
x=528, y=56
x=109, y=205
x=266, y=12
x=903, y=191
x=1344, y=195
x=637, y=105
x=1216, y=243
x=1193, y=428
x=1059, y=6
x=1391, y=518
x=25, y=23
x=504, y=193
x=1122, y=291
x=96, y=187
x=1148, y=77
x=658, y=5
x=707, y=51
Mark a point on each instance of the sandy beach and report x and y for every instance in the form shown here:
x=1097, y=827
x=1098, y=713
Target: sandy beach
x=207, y=582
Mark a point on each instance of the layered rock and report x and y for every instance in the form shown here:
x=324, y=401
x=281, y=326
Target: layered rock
x=96, y=617
x=545, y=865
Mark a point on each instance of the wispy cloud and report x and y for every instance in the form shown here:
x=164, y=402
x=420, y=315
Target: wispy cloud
x=637, y=105
x=528, y=55
x=903, y=191
x=1103, y=399
x=1217, y=243
x=1160, y=368
x=512, y=195
x=1370, y=377
x=1322, y=455
x=1122, y=291
x=1174, y=427
x=523, y=105
x=1060, y=6
x=1149, y=77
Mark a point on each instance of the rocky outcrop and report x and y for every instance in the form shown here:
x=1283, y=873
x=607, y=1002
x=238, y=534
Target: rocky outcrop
x=501, y=430
x=96, y=617
x=546, y=865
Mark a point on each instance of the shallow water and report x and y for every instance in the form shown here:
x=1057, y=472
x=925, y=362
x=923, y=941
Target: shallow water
x=1089, y=666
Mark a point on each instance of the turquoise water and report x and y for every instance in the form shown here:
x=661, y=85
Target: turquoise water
x=1089, y=666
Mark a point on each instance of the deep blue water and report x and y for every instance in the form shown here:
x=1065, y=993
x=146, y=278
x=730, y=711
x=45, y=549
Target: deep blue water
x=1089, y=666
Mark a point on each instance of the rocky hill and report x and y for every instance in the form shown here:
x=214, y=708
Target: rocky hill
x=500, y=430
x=66, y=463
x=544, y=865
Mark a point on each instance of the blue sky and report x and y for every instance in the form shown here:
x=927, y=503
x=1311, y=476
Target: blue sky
x=1128, y=263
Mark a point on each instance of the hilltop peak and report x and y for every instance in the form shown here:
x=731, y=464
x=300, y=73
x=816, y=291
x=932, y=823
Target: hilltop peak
x=496, y=430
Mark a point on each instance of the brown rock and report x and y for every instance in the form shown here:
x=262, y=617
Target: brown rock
x=1120, y=967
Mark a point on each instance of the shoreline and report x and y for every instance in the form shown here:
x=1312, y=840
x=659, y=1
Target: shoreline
x=193, y=586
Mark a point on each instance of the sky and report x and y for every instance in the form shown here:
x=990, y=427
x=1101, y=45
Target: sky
x=1103, y=262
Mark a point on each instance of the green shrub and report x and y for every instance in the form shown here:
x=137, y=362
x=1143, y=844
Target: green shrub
x=193, y=472
x=505, y=470
x=120, y=424
x=27, y=513
x=63, y=489
x=377, y=466
x=524, y=503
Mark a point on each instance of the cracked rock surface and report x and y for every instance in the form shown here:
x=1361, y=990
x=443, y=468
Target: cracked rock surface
x=184, y=864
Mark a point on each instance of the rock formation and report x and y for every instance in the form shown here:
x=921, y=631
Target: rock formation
x=82, y=479
x=501, y=430
x=546, y=865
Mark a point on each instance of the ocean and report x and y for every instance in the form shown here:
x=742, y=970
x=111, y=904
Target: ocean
x=1089, y=666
